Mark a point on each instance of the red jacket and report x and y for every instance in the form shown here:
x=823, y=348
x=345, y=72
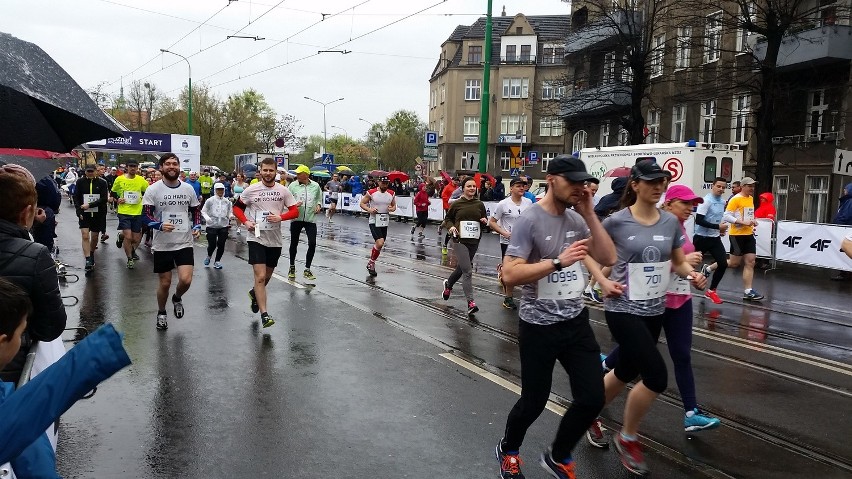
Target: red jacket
x=421, y=200
x=446, y=193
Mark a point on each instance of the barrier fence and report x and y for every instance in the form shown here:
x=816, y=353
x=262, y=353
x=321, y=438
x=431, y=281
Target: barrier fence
x=812, y=244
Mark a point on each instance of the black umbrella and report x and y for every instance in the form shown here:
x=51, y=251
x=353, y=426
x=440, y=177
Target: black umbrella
x=41, y=106
x=39, y=167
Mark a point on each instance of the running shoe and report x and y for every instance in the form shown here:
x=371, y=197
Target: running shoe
x=162, y=322
x=134, y=255
x=266, y=320
x=104, y=238
x=254, y=306
x=421, y=235
x=207, y=261
x=447, y=290
x=509, y=303
x=594, y=295
x=632, y=456
x=444, y=250
x=178, y=304
x=90, y=264
x=752, y=295
x=291, y=274
x=557, y=469
x=471, y=308
x=217, y=265
x=604, y=367
x=699, y=422
x=412, y=230
x=595, y=434
x=711, y=293
x=706, y=271
x=120, y=240
x=130, y=263
x=308, y=275
x=510, y=464
x=371, y=268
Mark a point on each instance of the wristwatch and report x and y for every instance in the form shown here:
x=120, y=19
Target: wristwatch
x=557, y=264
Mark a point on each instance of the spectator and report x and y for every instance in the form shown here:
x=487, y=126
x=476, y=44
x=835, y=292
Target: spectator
x=49, y=199
x=610, y=203
x=844, y=217
x=486, y=193
x=765, y=210
x=499, y=191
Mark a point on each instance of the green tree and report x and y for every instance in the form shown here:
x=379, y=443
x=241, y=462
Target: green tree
x=399, y=151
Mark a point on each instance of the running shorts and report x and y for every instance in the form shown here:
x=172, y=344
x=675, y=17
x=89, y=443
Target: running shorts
x=260, y=254
x=378, y=232
x=95, y=223
x=743, y=245
x=130, y=222
x=165, y=261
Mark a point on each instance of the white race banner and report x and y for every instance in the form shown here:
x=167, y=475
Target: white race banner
x=762, y=236
x=813, y=244
x=404, y=207
x=436, y=209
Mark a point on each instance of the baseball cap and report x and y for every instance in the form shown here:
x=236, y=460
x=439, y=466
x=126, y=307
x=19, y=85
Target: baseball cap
x=218, y=186
x=748, y=181
x=303, y=169
x=648, y=170
x=571, y=168
x=515, y=181
x=683, y=193
x=90, y=167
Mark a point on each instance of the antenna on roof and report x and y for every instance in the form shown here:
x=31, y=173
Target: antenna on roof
x=504, y=11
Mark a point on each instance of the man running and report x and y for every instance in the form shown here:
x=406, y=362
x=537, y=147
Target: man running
x=128, y=190
x=379, y=202
x=261, y=208
x=502, y=219
x=548, y=242
x=171, y=210
x=309, y=195
x=206, y=184
x=740, y=213
x=334, y=188
x=709, y=229
x=90, y=200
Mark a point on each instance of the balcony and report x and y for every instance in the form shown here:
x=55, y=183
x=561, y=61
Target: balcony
x=518, y=60
x=600, y=32
x=809, y=48
x=598, y=100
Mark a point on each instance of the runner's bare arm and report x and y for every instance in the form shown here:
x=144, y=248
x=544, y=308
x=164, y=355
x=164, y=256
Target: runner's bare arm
x=365, y=201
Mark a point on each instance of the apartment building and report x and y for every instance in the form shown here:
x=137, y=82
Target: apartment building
x=527, y=68
x=701, y=73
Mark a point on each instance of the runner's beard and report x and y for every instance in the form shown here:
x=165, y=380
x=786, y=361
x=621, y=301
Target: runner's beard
x=171, y=175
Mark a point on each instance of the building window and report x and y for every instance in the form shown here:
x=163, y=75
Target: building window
x=552, y=54
x=678, y=123
x=579, y=141
x=547, y=90
x=739, y=118
x=550, y=126
x=545, y=161
x=623, y=137
x=516, y=87
x=816, y=199
x=684, y=39
x=472, y=89
x=657, y=53
x=468, y=160
x=609, y=67
x=474, y=54
x=504, y=160
x=443, y=93
x=471, y=125
x=653, y=126
x=441, y=127
x=433, y=99
x=708, y=121
x=782, y=183
x=713, y=40
x=511, y=124
x=511, y=53
x=817, y=106
x=603, y=140
x=526, y=53
x=626, y=71
x=742, y=33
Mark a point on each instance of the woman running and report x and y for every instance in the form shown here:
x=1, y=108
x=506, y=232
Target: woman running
x=237, y=188
x=649, y=243
x=421, y=207
x=217, y=213
x=464, y=221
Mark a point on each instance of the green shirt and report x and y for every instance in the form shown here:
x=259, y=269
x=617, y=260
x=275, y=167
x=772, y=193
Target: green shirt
x=468, y=211
x=131, y=191
x=206, y=184
x=310, y=195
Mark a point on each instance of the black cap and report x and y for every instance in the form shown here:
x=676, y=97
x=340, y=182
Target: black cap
x=570, y=168
x=515, y=181
x=132, y=162
x=648, y=170
x=90, y=168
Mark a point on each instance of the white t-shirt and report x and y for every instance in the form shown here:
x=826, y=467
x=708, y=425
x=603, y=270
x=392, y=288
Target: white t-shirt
x=171, y=205
x=507, y=212
x=381, y=201
x=262, y=200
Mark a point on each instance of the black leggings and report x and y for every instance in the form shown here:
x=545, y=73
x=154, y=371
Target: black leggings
x=714, y=246
x=216, y=238
x=638, y=354
x=422, y=217
x=295, y=232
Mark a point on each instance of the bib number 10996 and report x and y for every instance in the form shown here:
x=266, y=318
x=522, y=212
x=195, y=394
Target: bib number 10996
x=562, y=276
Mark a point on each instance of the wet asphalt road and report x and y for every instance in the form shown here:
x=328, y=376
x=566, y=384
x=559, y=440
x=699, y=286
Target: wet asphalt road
x=378, y=377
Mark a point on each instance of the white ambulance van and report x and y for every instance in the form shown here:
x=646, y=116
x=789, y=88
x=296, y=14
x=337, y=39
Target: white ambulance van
x=693, y=164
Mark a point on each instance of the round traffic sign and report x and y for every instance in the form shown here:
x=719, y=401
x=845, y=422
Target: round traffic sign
x=417, y=167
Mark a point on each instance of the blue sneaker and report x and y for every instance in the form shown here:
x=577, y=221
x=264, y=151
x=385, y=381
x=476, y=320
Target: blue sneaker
x=752, y=295
x=207, y=261
x=557, y=469
x=699, y=422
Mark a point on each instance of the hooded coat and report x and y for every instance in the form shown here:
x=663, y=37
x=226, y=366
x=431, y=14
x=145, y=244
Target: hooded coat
x=844, y=211
x=767, y=207
x=609, y=203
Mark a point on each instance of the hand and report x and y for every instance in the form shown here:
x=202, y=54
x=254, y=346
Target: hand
x=723, y=227
x=694, y=259
x=576, y=252
x=299, y=204
x=453, y=231
x=483, y=221
x=698, y=280
x=374, y=211
x=85, y=206
x=754, y=222
x=41, y=216
x=317, y=209
x=273, y=218
x=196, y=233
x=611, y=289
x=391, y=208
x=121, y=201
x=586, y=205
x=168, y=227
x=249, y=224
x=507, y=235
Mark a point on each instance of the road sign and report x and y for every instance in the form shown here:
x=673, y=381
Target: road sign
x=431, y=138
x=514, y=162
x=327, y=159
x=533, y=158
x=279, y=160
x=515, y=151
x=418, y=168
x=843, y=162
x=430, y=153
x=514, y=172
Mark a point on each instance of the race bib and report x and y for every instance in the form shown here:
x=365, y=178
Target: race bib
x=469, y=229
x=180, y=220
x=748, y=215
x=567, y=283
x=262, y=222
x=678, y=285
x=206, y=185
x=90, y=198
x=382, y=220
x=131, y=197
x=648, y=280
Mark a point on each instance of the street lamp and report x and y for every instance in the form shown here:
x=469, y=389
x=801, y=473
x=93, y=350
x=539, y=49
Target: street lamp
x=372, y=125
x=324, y=132
x=189, y=109
x=341, y=128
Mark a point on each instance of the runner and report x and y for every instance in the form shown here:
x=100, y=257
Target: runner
x=128, y=190
x=309, y=195
x=446, y=193
x=90, y=200
x=206, y=184
x=101, y=172
x=379, y=202
x=171, y=210
x=421, y=208
x=709, y=229
x=262, y=207
x=677, y=318
x=502, y=219
x=334, y=188
x=217, y=213
x=649, y=244
x=548, y=242
x=464, y=221
x=238, y=187
x=740, y=213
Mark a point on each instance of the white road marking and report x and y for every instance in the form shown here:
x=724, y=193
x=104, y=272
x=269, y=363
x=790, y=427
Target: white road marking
x=285, y=280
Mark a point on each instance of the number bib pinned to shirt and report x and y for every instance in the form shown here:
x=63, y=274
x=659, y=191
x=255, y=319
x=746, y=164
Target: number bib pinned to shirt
x=131, y=197
x=262, y=222
x=568, y=283
x=678, y=285
x=748, y=215
x=648, y=280
x=382, y=220
x=469, y=230
x=179, y=220
x=89, y=199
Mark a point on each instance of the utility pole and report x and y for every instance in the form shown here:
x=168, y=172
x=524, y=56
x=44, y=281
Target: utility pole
x=485, y=100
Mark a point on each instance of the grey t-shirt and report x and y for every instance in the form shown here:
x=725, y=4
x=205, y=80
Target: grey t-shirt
x=538, y=235
x=638, y=243
x=334, y=188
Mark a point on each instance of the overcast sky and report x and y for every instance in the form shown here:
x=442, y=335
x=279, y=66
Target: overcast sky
x=107, y=40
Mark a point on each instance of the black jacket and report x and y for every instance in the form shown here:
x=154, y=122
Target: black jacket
x=99, y=186
x=30, y=266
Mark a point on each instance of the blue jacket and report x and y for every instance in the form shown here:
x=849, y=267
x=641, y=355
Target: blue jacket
x=357, y=187
x=196, y=185
x=844, y=212
x=25, y=414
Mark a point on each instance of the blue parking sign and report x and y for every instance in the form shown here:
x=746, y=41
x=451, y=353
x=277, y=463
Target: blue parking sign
x=431, y=138
x=532, y=158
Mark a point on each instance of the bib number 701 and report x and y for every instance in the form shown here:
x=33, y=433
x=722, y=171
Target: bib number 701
x=562, y=276
x=653, y=278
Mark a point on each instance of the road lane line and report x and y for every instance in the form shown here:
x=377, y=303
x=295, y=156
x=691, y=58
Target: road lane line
x=285, y=280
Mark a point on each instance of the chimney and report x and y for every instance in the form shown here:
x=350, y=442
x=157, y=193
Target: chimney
x=504, y=11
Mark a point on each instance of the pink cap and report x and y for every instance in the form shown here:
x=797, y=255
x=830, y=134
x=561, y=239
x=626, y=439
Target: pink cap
x=683, y=193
